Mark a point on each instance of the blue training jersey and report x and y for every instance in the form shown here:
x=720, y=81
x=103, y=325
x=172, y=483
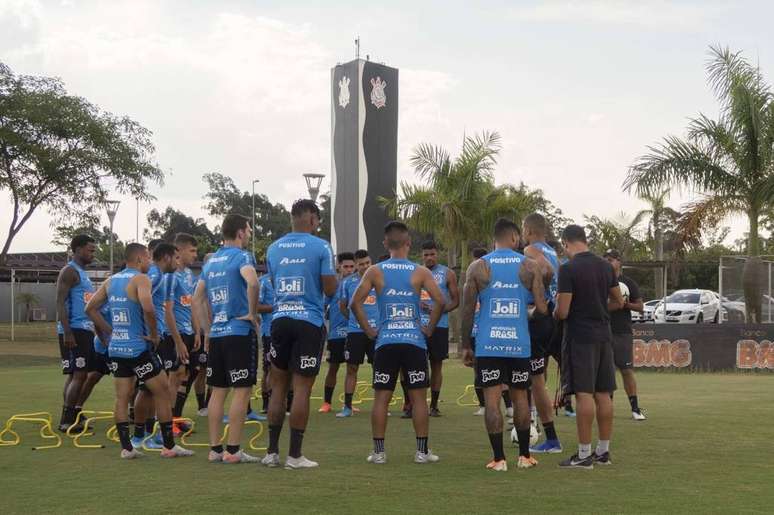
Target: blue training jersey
x=399, y=318
x=503, y=329
x=99, y=346
x=440, y=273
x=76, y=300
x=266, y=297
x=296, y=261
x=182, y=289
x=369, y=305
x=126, y=317
x=227, y=291
x=337, y=329
x=550, y=254
x=161, y=294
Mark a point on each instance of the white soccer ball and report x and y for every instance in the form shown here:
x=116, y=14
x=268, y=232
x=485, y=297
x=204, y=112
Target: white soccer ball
x=624, y=291
x=533, y=435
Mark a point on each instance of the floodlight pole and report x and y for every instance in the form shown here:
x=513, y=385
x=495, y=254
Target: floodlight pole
x=252, y=236
x=111, y=206
x=313, y=181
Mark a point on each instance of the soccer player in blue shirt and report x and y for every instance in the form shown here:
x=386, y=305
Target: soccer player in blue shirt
x=302, y=273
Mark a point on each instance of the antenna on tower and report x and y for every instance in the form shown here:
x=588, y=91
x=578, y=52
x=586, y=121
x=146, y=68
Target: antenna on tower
x=357, y=47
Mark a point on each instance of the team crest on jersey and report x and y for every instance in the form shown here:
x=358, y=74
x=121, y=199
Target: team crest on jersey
x=344, y=92
x=378, y=96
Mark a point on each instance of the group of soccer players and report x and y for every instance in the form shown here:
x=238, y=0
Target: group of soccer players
x=159, y=331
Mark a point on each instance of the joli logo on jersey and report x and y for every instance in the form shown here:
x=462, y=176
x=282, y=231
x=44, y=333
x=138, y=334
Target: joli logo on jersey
x=120, y=316
x=504, y=308
x=218, y=296
x=401, y=311
x=290, y=286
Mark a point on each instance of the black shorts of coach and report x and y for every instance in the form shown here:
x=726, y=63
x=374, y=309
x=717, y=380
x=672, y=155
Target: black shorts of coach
x=357, y=347
x=438, y=344
x=623, y=350
x=336, y=350
x=392, y=360
x=168, y=353
x=100, y=363
x=541, y=329
x=144, y=367
x=494, y=371
x=80, y=357
x=232, y=361
x=297, y=346
x=587, y=364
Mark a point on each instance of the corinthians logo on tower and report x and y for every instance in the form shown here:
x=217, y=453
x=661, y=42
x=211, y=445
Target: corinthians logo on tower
x=344, y=91
x=378, y=97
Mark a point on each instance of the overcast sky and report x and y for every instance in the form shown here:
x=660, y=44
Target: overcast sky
x=577, y=89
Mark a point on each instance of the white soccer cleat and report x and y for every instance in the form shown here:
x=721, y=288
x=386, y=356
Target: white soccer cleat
x=428, y=457
x=202, y=412
x=480, y=411
x=215, y=457
x=131, y=455
x=300, y=463
x=271, y=460
x=176, y=452
x=637, y=415
x=377, y=458
x=239, y=457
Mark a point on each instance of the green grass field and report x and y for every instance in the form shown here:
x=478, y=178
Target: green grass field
x=707, y=447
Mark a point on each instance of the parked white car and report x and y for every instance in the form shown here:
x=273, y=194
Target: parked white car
x=647, y=313
x=689, y=307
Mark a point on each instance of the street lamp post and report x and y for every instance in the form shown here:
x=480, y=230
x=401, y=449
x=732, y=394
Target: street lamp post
x=111, y=206
x=252, y=238
x=313, y=181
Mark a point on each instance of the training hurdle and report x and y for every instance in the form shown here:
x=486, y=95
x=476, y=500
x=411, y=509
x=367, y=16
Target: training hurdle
x=364, y=393
x=252, y=443
x=41, y=417
x=89, y=417
x=469, y=390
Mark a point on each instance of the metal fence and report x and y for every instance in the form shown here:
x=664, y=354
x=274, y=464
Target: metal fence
x=745, y=288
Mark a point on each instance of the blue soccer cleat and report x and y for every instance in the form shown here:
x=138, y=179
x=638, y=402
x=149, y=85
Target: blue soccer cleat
x=547, y=447
x=255, y=417
x=137, y=442
x=344, y=413
x=154, y=442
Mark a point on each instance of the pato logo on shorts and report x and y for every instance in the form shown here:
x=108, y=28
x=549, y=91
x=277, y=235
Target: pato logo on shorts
x=520, y=377
x=308, y=362
x=416, y=376
x=143, y=370
x=490, y=375
x=537, y=363
x=381, y=378
x=236, y=375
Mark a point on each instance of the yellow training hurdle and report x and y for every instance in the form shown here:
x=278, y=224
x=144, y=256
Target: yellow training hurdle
x=469, y=390
x=41, y=417
x=252, y=443
x=88, y=417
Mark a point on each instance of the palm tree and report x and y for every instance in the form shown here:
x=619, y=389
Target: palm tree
x=728, y=161
x=657, y=212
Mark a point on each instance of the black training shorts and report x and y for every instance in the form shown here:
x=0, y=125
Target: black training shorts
x=336, y=352
x=357, y=347
x=541, y=329
x=438, y=344
x=587, y=367
x=168, y=353
x=512, y=372
x=100, y=363
x=77, y=359
x=623, y=350
x=391, y=359
x=144, y=367
x=232, y=361
x=297, y=346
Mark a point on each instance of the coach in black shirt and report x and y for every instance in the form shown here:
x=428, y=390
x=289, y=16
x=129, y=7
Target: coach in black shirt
x=588, y=288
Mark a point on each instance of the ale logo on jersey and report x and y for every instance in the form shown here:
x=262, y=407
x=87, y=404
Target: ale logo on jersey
x=120, y=316
x=290, y=286
x=292, y=261
x=219, y=296
x=344, y=92
x=500, y=285
x=504, y=308
x=378, y=96
x=401, y=311
x=392, y=292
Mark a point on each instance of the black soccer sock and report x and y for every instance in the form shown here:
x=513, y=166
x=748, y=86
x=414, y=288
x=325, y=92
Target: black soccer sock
x=434, y=394
x=150, y=422
x=232, y=449
x=422, y=444
x=177, y=411
x=480, y=397
x=507, y=399
x=296, y=439
x=634, y=403
x=139, y=430
x=496, y=441
x=207, y=396
x=274, y=434
x=348, y=400
x=123, y=435
x=378, y=444
x=548, y=427
x=217, y=448
x=131, y=412
x=200, y=400
x=329, y=394
x=523, y=435
x=167, y=434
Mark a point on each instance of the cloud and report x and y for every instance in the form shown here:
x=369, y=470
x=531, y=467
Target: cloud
x=656, y=15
